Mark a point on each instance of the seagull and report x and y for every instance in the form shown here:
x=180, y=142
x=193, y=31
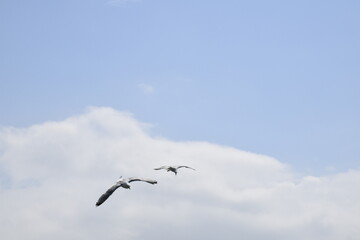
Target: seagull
x=172, y=168
x=121, y=182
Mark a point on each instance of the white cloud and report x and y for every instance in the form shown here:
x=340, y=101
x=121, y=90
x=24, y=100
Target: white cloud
x=53, y=173
x=146, y=88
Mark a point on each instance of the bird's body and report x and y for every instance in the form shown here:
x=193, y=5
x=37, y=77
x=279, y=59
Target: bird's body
x=172, y=168
x=124, y=183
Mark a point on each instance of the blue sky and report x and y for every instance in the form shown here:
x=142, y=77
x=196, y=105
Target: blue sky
x=260, y=97
x=279, y=78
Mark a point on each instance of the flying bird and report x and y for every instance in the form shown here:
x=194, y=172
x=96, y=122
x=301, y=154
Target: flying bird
x=124, y=183
x=172, y=168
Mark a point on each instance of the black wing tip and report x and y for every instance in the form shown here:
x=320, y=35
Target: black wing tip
x=152, y=182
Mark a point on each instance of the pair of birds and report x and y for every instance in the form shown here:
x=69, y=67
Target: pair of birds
x=124, y=183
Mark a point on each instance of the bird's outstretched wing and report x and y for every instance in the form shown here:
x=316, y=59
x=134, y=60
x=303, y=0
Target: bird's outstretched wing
x=107, y=194
x=151, y=181
x=163, y=167
x=177, y=167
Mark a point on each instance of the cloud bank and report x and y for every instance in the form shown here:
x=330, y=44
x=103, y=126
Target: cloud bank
x=52, y=174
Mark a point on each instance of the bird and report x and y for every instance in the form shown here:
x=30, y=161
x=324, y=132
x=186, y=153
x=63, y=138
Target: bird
x=124, y=183
x=172, y=168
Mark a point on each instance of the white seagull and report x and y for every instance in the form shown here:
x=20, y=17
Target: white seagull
x=121, y=182
x=172, y=168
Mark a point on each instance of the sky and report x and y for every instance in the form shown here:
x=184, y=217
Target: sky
x=261, y=97
x=54, y=172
